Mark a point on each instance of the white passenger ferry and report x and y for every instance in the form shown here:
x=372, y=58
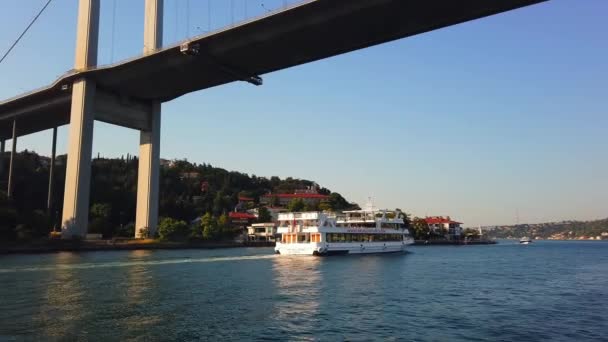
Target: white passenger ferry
x=352, y=232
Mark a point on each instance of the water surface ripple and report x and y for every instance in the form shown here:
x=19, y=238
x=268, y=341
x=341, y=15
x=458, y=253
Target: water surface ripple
x=547, y=291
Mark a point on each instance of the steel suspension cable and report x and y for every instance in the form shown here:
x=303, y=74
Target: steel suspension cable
x=113, y=30
x=25, y=31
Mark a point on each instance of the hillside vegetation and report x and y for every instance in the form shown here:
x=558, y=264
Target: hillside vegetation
x=187, y=191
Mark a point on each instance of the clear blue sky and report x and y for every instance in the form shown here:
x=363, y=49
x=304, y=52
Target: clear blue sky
x=475, y=121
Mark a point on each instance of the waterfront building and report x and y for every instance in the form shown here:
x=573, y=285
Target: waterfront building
x=262, y=231
x=240, y=218
x=444, y=225
x=239, y=222
x=274, y=212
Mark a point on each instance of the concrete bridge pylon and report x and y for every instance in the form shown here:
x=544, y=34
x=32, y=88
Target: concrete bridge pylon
x=146, y=215
x=85, y=104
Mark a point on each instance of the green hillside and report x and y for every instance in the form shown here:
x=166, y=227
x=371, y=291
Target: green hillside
x=187, y=191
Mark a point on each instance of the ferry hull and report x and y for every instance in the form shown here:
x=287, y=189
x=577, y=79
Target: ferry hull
x=340, y=248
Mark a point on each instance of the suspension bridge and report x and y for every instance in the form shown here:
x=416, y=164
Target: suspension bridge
x=130, y=93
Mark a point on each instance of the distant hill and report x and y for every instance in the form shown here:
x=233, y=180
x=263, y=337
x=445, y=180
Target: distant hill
x=554, y=230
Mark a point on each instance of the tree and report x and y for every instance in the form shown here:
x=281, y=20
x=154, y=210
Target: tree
x=172, y=230
x=101, y=210
x=324, y=206
x=296, y=204
x=219, y=203
x=100, y=219
x=405, y=216
x=35, y=225
x=223, y=226
x=337, y=202
x=471, y=233
x=127, y=230
x=8, y=217
x=311, y=206
x=264, y=215
x=420, y=229
x=274, y=201
x=209, y=227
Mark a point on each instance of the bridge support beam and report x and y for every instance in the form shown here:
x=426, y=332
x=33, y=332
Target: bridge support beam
x=2, y=147
x=148, y=176
x=11, y=165
x=80, y=140
x=78, y=169
x=49, y=200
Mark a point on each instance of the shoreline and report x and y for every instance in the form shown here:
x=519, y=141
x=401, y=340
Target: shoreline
x=453, y=242
x=55, y=246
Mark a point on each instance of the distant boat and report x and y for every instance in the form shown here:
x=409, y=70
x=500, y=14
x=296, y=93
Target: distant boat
x=525, y=240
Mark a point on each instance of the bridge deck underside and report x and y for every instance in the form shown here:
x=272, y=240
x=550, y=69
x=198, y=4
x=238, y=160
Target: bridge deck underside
x=311, y=31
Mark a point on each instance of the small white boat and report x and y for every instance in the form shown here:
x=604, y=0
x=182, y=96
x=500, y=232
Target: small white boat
x=525, y=240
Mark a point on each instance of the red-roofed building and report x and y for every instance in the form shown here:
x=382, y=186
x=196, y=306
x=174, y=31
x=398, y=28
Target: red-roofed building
x=238, y=216
x=445, y=225
x=239, y=221
x=284, y=199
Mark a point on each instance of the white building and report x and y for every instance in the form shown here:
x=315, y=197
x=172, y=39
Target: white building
x=444, y=225
x=262, y=231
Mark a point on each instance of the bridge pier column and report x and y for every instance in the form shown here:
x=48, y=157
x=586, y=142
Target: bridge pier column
x=146, y=217
x=49, y=200
x=11, y=165
x=148, y=176
x=2, y=148
x=80, y=141
x=78, y=169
